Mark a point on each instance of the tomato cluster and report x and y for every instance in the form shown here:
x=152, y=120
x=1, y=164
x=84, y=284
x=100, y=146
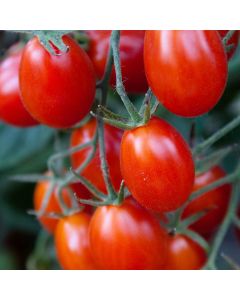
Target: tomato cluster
x=187, y=72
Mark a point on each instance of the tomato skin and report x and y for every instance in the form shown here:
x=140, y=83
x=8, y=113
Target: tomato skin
x=39, y=193
x=157, y=165
x=58, y=90
x=233, y=41
x=93, y=170
x=215, y=202
x=72, y=243
x=184, y=254
x=12, y=110
x=131, y=56
x=127, y=237
x=186, y=69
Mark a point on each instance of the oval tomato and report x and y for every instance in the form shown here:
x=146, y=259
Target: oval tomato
x=131, y=56
x=157, y=165
x=72, y=243
x=186, y=69
x=93, y=170
x=12, y=110
x=215, y=202
x=184, y=254
x=126, y=237
x=232, y=41
x=58, y=90
x=40, y=191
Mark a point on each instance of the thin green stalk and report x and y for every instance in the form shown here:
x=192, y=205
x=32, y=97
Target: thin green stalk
x=115, y=37
x=216, y=136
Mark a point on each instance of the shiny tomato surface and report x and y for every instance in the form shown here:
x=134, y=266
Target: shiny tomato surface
x=127, y=237
x=184, y=254
x=12, y=110
x=214, y=202
x=72, y=243
x=93, y=170
x=186, y=69
x=232, y=41
x=58, y=90
x=157, y=165
x=131, y=56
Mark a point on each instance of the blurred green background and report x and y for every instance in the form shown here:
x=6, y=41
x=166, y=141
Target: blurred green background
x=23, y=245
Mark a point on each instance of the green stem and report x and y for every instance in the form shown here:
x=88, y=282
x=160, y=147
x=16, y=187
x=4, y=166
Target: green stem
x=216, y=136
x=115, y=37
x=219, y=237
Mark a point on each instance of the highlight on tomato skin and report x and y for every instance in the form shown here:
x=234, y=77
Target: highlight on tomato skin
x=157, y=165
x=72, y=243
x=233, y=41
x=214, y=202
x=57, y=90
x=127, y=237
x=184, y=254
x=131, y=56
x=12, y=110
x=93, y=171
x=186, y=69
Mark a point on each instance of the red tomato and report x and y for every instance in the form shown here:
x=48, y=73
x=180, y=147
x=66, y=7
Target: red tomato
x=186, y=69
x=12, y=110
x=53, y=206
x=127, y=237
x=72, y=243
x=157, y=165
x=131, y=55
x=184, y=254
x=233, y=41
x=112, y=143
x=58, y=90
x=215, y=202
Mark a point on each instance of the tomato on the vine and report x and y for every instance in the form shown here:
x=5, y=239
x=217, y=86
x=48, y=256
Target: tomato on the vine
x=233, y=41
x=184, y=254
x=131, y=56
x=72, y=243
x=157, y=165
x=53, y=206
x=127, y=237
x=58, y=90
x=12, y=110
x=214, y=202
x=186, y=69
x=93, y=172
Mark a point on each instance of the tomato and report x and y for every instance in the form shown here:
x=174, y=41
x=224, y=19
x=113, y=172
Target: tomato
x=186, y=69
x=127, y=237
x=12, y=110
x=131, y=56
x=40, y=191
x=215, y=202
x=58, y=90
x=157, y=165
x=184, y=254
x=93, y=170
x=72, y=243
x=233, y=41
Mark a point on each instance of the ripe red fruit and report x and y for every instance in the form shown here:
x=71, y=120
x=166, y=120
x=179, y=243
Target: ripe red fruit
x=186, y=69
x=58, y=90
x=93, y=170
x=12, y=110
x=214, y=202
x=184, y=254
x=72, y=243
x=127, y=237
x=131, y=56
x=157, y=165
x=233, y=41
